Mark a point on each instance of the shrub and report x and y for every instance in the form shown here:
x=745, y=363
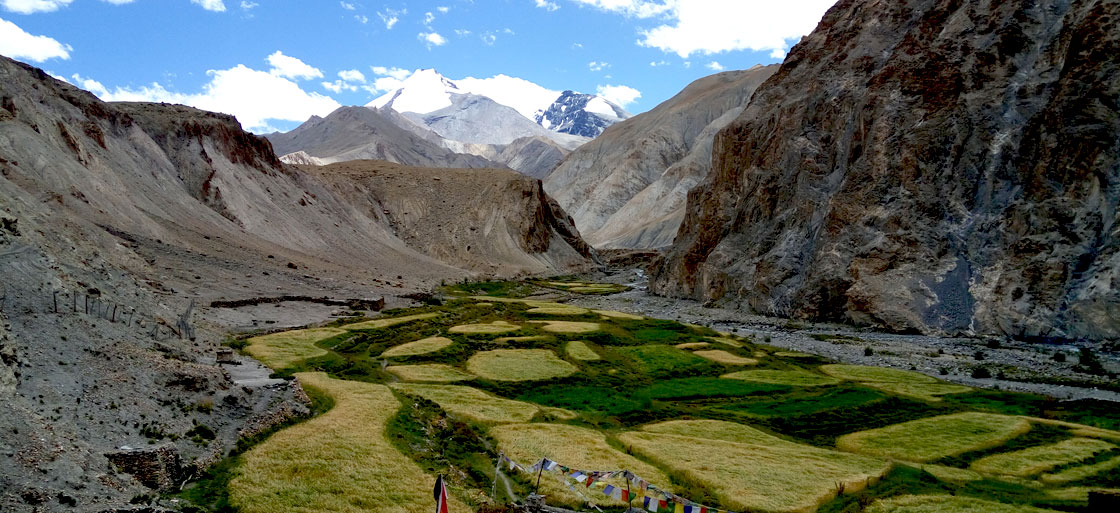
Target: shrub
x=981, y=373
x=867, y=351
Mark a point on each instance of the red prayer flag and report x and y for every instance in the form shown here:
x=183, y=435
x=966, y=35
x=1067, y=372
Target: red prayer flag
x=440, y=494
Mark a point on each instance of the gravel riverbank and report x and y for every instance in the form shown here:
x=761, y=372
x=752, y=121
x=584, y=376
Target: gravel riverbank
x=1024, y=366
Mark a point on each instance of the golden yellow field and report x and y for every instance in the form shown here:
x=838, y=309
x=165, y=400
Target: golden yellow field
x=692, y=345
x=558, y=310
x=926, y=440
x=758, y=472
x=422, y=346
x=339, y=462
x=717, y=430
x=527, y=338
x=390, y=321
x=1035, y=460
x=490, y=328
x=280, y=350
x=578, y=349
x=429, y=372
x=727, y=341
x=569, y=326
x=576, y=447
x=781, y=377
x=471, y=402
x=611, y=314
x=880, y=374
x=925, y=391
x=952, y=474
x=946, y=504
x=1080, y=472
x=717, y=355
x=794, y=354
x=519, y=365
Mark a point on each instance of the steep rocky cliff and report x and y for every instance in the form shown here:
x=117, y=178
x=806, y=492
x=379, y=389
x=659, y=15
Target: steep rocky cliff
x=627, y=188
x=932, y=165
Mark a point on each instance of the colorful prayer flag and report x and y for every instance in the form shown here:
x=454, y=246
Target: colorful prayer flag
x=608, y=491
x=649, y=504
x=679, y=508
x=624, y=495
x=440, y=495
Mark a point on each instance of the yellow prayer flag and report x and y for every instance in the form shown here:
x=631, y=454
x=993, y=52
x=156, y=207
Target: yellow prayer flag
x=679, y=508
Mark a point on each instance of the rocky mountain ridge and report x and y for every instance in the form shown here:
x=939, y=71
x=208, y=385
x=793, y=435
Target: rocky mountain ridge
x=121, y=222
x=627, y=188
x=925, y=165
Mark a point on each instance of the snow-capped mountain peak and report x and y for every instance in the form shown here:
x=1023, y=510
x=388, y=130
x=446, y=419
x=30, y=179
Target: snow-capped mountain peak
x=424, y=91
x=427, y=91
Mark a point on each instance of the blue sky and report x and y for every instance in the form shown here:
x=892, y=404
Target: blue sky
x=273, y=63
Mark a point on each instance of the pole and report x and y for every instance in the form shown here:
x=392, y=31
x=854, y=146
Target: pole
x=629, y=498
x=497, y=468
x=539, y=472
x=56, y=301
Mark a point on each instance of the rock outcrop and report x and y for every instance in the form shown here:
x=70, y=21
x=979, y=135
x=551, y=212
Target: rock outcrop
x=627, y=188
x=929, y=165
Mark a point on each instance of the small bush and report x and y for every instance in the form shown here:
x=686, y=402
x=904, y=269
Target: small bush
x=981, y=373
x=867, y=351
x=1059, y=357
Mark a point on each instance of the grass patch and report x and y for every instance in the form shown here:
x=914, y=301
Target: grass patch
x=783, y=377
x=806, y=404
x=692, y=345
x=279, y=350
x=485, y=329
x=558, y=309
x=795, y=354
x=390, y=321
x=952, y=474
x=726, y=341
x=471, y=402
x=339, y=461
x=946, y=504
x=422, y=346
x=927, y=440
x=1035, y=460
x=768, y=474
x=611, y=314
x=720, y=356
x=703, y=388
x=429, y=372
x=599, y=399
x=925, y=391
x=716, y=430
x=569, y=326
x=1081, y=472
x=578, y=349
x=877, y=374
x=519, y=365
x=658, y=359
x=574, y=446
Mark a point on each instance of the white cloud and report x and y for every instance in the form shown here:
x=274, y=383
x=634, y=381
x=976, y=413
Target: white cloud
x=619, y=94
x=488, y=38
x=598, y=66
x=244, y=5
x=363, y=19
x=390, y=17
x=352, y=75
x=548, y=6
x=714, y=26
x=397, y=73
x=347, y=5
x=211, y=5
x=387, y=79
x=291, y=67
x=432, y=39
x=655, y=64
x=253, y=96
x=17, y=44
x=121, y=2
x=639, y=8
x=428, y=19
x=33, y=6
x=339, y=86
x=714, y=66
x=443, y=9
x=462, y=32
